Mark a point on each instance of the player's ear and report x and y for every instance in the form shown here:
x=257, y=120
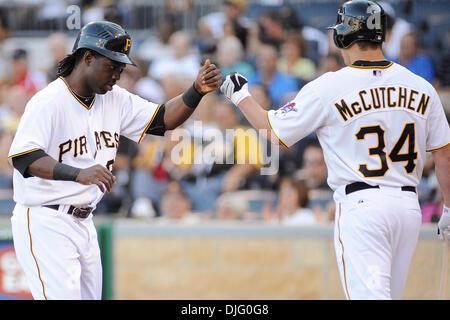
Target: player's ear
x=88, y=57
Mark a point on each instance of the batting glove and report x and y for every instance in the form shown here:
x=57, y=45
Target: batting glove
x=444, y=222
x=235, y=87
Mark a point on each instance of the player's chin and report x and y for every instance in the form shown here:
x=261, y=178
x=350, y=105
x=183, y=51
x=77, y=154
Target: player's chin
x=105, y=88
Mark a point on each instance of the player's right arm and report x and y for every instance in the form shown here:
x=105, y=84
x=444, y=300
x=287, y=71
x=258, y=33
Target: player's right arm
x=180, y=108
x=39, y=164
x=438, y=143
x=286, y=125
x=235, y=88
x=441, y=159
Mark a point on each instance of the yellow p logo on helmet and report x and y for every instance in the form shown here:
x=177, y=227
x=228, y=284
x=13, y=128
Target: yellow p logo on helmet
x=127, y=44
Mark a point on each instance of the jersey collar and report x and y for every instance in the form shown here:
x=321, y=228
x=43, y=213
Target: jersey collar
x=362, y=64
x=76, y=96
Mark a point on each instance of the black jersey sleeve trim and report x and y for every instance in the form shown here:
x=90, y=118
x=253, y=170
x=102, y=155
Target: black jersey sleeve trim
x=22, y=162
x=157, y=127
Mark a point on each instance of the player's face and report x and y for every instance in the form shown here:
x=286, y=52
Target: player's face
x=103, y=74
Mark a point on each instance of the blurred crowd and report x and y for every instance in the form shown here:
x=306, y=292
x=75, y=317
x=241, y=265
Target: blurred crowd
x=278, y=53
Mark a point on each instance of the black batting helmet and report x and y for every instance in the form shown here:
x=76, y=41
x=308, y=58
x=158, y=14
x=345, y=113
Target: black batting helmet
x=359, y=20
x=107, y=38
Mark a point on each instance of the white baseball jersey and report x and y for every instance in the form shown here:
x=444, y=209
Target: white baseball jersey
x=374, y=124
x=57, y=122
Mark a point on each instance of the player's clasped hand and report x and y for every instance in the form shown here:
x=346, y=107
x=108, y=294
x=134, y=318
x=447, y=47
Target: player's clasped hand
x=98, y=175
x=209, y=78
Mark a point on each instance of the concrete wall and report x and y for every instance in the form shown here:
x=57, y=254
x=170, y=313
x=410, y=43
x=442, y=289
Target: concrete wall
x=242, y=261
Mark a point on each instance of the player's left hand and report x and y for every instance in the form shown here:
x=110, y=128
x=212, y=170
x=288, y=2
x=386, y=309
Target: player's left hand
x=209, y=78
x=444, y=222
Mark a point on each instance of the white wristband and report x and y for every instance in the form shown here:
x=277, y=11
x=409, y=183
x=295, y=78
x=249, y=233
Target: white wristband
x=445, y=211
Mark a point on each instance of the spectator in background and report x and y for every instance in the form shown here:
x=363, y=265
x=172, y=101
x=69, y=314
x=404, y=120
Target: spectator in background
x=184, y=61
x=395, y=30
x=134, y=81
x=411, y=58
x=3, y=57
x=149, y=177
x=314, y=170
x=176, y=206
x=96, y=10
x=315, y=38
x=314, y=174
x=6, y=173
x=330, y=63
x=230, y=57
x=293, y=60
x=271, y=28
x=156, y=45
x=291, y=160
x=22, y=75
x=292, y=205
x=15, y=100
x=281, y=87
x=174, y=84
x=230, y=209
x=58, y=44
x=232, y=15
x=273, y=25
x=443, y=69
x=150, y=89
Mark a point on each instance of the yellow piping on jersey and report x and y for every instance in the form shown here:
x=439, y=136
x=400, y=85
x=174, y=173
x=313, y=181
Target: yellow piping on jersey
x=32, y=253
x=149, y=124
x=22, y=153
x=342, y=255
x=76, y=98
x=270, y=125
x=371, y=67
x=439, y=148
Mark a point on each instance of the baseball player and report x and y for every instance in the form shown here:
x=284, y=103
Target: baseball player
x=63, y=153
x=375, y=121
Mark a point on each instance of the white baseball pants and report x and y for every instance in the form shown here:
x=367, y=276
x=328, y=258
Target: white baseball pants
x=58, y=253
x=375, y=235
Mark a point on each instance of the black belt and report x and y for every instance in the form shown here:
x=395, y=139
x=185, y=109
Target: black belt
x=356, y=186
x=75, y=211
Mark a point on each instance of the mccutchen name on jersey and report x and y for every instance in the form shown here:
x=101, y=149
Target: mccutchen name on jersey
x=379, y=98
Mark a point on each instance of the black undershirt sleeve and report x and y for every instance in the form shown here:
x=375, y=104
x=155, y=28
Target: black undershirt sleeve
x=157, y=127
x=21, y=163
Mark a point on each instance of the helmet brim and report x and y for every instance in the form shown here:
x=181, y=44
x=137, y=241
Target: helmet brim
x=116, y=56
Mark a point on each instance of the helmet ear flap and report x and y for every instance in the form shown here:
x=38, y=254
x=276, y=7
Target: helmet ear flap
x=338, y=40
